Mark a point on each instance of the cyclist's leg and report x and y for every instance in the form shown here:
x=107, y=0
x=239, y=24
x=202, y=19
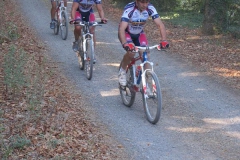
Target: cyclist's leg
x=77, y=32
x=65, y=3
x=125, y=61
x=129, y=55
x=91, y=19
x=142, y=41
x=52, y=12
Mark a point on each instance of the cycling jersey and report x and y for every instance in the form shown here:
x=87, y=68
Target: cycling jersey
x=136, y=19
x=86, y=5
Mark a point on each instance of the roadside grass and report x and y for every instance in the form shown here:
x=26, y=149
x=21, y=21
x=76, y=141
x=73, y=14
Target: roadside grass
x=19, y=85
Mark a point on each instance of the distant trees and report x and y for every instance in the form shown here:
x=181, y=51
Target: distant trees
x=219, y=15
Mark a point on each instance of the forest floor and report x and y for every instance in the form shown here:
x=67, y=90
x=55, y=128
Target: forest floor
x=64, y=130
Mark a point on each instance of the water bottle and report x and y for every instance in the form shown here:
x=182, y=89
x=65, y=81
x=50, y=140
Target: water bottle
x=145, y=56
x=138, y=74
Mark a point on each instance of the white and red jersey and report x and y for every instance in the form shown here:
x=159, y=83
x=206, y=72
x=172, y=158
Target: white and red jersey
x=86, y=5
x=136, y=19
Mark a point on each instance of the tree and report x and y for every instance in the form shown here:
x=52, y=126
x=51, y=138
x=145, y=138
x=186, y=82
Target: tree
x=215, y=16
x=208, y=24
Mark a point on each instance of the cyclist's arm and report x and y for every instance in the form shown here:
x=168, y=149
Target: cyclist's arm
x=75, y=6
x=100, y=11
x=161, y=27
x=121, y=31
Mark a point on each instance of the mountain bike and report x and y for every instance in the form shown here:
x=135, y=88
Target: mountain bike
x=61, y=20
x=86, y=47
x=144, y=80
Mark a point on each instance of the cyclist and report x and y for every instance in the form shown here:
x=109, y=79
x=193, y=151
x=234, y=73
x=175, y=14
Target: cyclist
x=53, y=10
x=82, y=10
x=130, y=31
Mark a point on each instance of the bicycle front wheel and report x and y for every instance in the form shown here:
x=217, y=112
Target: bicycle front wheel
x=64, y=25
x=89, y=59
x=80, y=55
x=152, y=97
x=127, y=92
x=56, y=25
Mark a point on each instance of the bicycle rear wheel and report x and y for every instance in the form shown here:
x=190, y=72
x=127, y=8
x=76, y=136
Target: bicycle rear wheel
x=64, y=25
x=89, y=59
x=152, y=97
x=127, y=93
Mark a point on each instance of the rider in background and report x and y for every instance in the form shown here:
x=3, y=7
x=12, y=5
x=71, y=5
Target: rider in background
x=53, y=10
x=131, y=34
x=82, y=11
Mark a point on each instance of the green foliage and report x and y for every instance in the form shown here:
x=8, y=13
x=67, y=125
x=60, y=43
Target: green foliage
x=15, y=142
x=18, y=142
x=165, y=5
x=183, y=18
x=13, y=69
x=12, y=31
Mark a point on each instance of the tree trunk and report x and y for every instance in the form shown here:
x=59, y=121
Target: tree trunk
x=208, y=22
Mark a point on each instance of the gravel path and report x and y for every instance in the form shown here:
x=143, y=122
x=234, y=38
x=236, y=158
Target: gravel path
x=200, y=117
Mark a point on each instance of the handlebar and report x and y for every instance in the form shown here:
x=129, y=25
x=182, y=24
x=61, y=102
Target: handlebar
x=83, y=23
x=138, y=48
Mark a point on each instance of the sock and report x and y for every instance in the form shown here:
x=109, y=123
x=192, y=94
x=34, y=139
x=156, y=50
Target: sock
x=121, y=69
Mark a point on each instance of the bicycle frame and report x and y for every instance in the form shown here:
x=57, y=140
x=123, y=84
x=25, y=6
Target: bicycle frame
x=86, y=35
x=60, y=9
x=144, y=58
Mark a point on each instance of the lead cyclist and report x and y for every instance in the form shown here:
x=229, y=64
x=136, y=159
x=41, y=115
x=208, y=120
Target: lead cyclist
x=53, y=10
x=131, y=34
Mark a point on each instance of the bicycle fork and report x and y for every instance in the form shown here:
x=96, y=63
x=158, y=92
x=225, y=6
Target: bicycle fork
x=85, y=39
x=60, y=9
x=141, y=77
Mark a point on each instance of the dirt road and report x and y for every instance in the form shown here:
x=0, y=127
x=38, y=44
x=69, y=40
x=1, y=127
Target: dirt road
x=200, y=118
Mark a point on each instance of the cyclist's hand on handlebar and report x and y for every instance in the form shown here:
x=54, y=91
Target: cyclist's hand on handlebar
x=71, y=21
x=164, y=44
x=129, y=46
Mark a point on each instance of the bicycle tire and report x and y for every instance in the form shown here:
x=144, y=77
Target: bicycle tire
x=152, y=103
x=56, y=26
x=81, y=55
x=64, y=25
x=127, y=93
x=89, y=59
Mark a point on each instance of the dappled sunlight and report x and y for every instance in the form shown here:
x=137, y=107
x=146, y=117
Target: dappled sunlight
x=167, y=17
x=104, y=43
x=227, y=72
x=209, y=125
x=200, y=89
x=113, y=92
x=190, y=74
x=223, y=121
x=233, y=134
x=189, y=129
x=112, y=64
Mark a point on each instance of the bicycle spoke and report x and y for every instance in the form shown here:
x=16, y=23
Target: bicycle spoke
x=128, y=94
x=152, y=97
x=64, y=25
